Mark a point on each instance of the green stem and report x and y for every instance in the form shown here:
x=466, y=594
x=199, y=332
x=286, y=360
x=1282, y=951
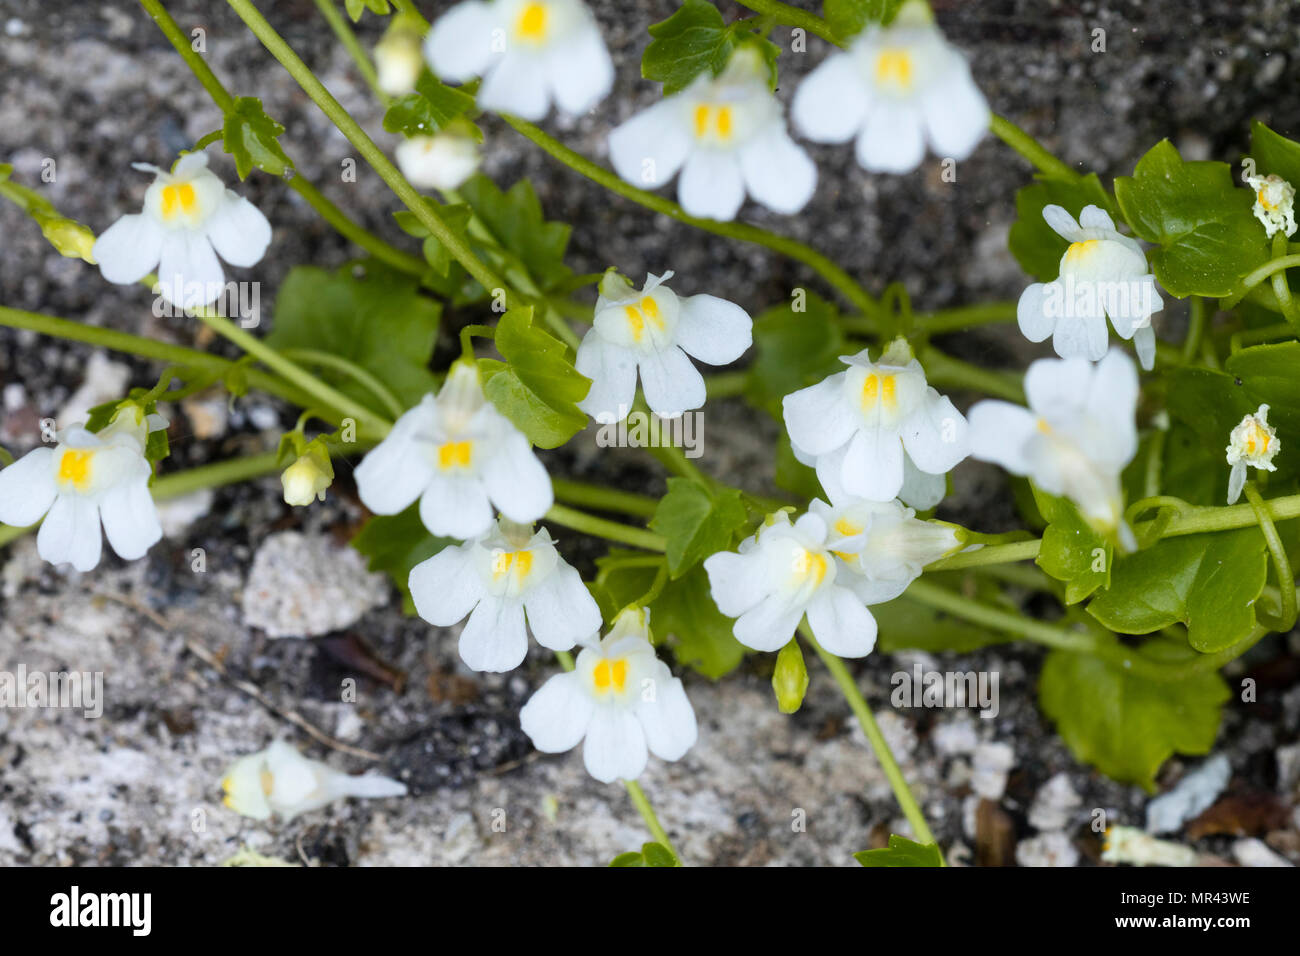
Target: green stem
x=943, y=369
x=1195, y=328
x=327, y=209
x=352, y=370
x=602, y=528
x=1279, y=264
x=858, y=704
x=964, y=317
x=1281, y=288
x=145, y=348
x=642, y=804
x=1028, y=147
x=350, y=43
x=368, y=422
x=424, y=212
x=1281, y=564
x=603, y=499
x=794, y=17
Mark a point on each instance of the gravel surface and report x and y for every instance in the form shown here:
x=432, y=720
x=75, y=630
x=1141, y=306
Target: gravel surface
x=194, y=675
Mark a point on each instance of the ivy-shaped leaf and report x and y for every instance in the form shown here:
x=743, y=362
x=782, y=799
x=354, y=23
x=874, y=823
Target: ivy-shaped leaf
x=430, y=108
x=848, y=17
x=1202, y=222
x=1072, y=551
x=650, y=854
x=396, y=543
x=1210, y=582
x=901, y=852
x=536, y=387
x=379, y=322
x=1036, y=245
x=1126, y=725
x=697, y=522
x=438, y=256
x=700, y=636
x=515, y=219
x=1274, y=154
x=696, y=39
x=794, y=350
x=252, y=138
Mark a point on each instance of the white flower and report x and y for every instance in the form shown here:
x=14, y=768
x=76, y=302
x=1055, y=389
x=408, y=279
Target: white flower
x=527, y=52
x=621, y=699
x=728, y=137
x=782, y=572
x=1074, y=439
x=652, y=331
x=442, y=161
x=1102, y=273
x=1253, y=442
x=894, y=88
x=282, y=781
x=459, y=456
x=85, y=479
x=882, y=544
x=861, y=425
x=1274, y=203
x=494, y=580
x=189, y=218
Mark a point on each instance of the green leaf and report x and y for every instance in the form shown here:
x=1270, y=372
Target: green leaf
x=794, y=350
x=793, y=475
x=379, y=322
x=456, y=217
x=1126, y=725
x=692, y=40
x=700, y=636
x=1274, y=154
x=1209, y=582
x=357, y=7
x=1036, y=245
x=904, y=624
x=252, y=138
x=537, y=386
x=631, y=858
x=656, y=854
x=396, y=543
x=516, y=222
x=848, y=17
x=1208, y=237
x=697, y=521
x=430, y=108
x=1072, y=551
x=901, y=852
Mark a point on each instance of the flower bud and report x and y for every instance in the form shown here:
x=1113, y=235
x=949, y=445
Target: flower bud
x=790, y=679
x=398, y=59
x=307, y=478
x=69, y=237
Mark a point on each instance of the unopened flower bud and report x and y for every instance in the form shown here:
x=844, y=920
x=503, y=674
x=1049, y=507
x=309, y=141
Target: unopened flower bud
x=307, y=478
x=790, y=679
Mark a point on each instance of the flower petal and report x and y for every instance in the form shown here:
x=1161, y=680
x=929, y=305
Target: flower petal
x=70, y=533
x=714, y=330
x=668, y=720
x=956, y=114
x=672, y=385
x=840, y=622
x=446, y=586
x=711, y=186
x=130, y=516
x=516, y=480
x=831, y=103
x=615, y=747
x=129, y=250
x=891, y=141
x=514, y=86
x=769, y=625
x=459, y=44
x=27, y=488
x=456, y=506
x=873, y=466
x=238, y=231
x=189, y=274
x=817, y=417
x=735, y=581
x=557, y=715
x=561, y=611
x=397, y=470
x=1032, y=311
x=494, y=638
x=936, y=435
x=580, y=71
x=649, y=148
x=777, y=172
x=1000, y=432
x=612, y=370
